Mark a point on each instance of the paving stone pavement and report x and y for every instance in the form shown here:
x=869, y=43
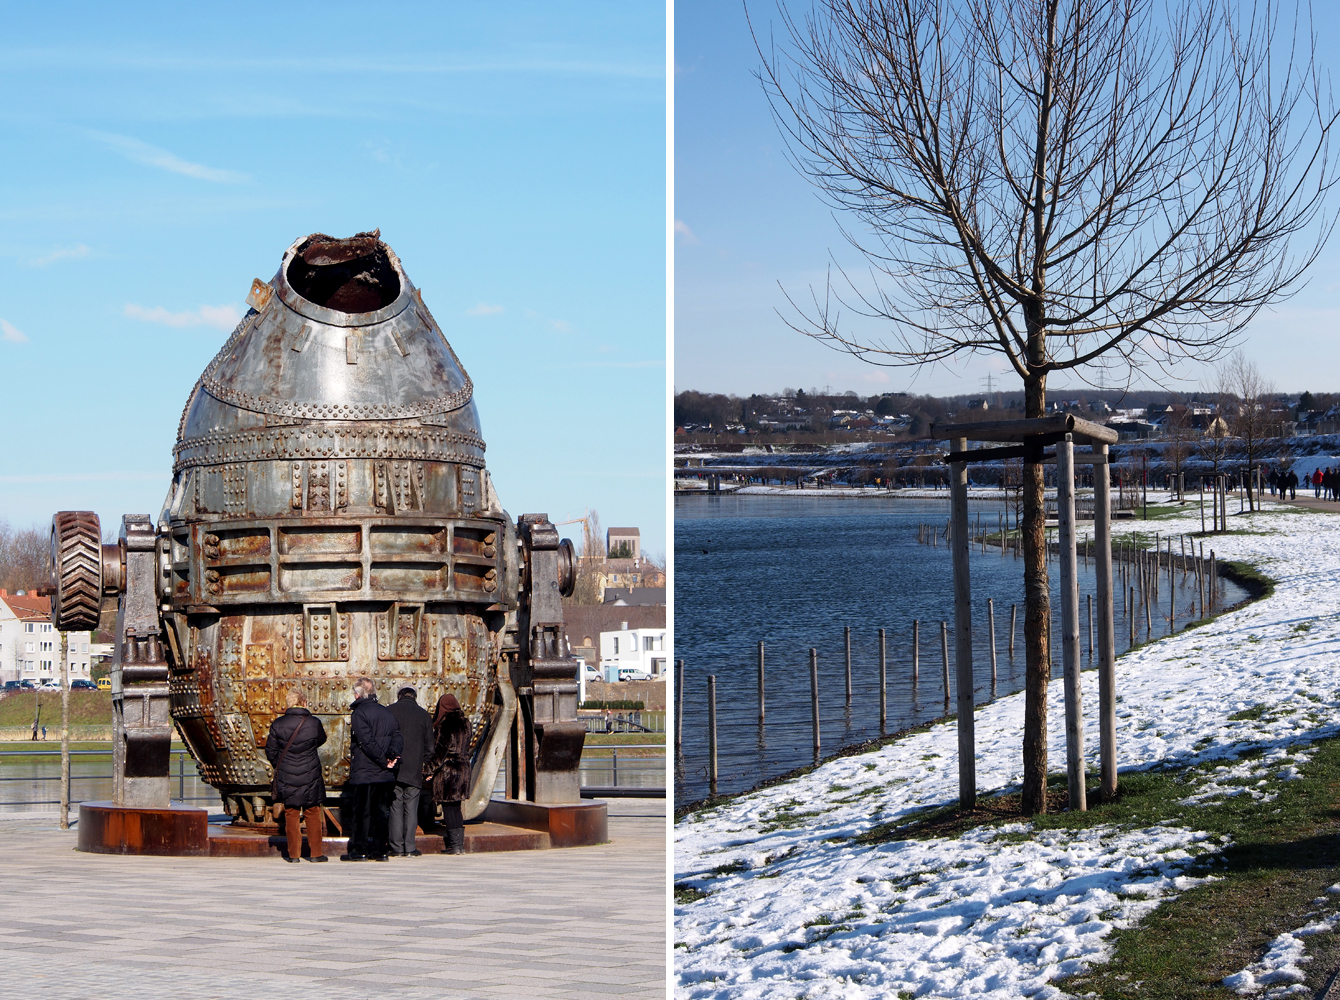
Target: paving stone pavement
x=587, y=921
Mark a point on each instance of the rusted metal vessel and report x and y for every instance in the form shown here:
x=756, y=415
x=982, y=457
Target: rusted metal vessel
x=330, y=516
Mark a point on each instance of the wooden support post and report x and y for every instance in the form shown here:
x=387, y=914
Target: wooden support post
x=1070, y=650
x=991, y=634
x=712, y=733
x=1014, y=619
x=916, y=650
x=814, y=697
x=944, y=660
x=1107, y=646
x=883, y=681
x=1130, y=618
x=762, y=686
x=967, y=747
x=65, y=730
x=846, y=641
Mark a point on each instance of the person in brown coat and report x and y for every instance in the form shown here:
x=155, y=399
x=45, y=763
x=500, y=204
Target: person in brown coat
x=447, y=770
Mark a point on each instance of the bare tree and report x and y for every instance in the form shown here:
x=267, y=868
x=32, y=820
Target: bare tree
x=1090, y=185
x=24, y=554
x=590, y=561
x=1255, y=400
x=1177, y=433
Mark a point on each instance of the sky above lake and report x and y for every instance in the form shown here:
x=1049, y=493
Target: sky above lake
x=161, y=156
x=748, y=226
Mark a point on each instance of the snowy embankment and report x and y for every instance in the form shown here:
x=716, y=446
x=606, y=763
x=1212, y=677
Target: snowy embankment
x=791, y=911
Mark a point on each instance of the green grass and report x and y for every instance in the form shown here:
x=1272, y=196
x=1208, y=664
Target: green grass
x=87, y=708
x=1283, y=855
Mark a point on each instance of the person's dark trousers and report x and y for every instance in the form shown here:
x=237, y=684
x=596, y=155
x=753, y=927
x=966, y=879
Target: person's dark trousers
x=372, y=816
x=404, y=818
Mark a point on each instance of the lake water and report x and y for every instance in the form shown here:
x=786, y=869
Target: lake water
x=33, y=785
x=792, y=572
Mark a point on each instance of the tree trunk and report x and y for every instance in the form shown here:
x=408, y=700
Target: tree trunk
x=1037, y=613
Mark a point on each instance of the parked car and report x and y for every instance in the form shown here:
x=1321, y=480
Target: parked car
x=28, y=684
x=104, y=683
x=50, y=684
x=11, y=685
x=83, y=685
x=633, y=674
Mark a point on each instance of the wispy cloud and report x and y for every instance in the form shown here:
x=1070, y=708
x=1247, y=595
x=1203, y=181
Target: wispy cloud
x=218, y=317
x=684, y=232
x=653, y=363
x=152, y=156
x=484, y=309
x=61, y=253
x=562, y=326
x=11, y=333
x=86, y=477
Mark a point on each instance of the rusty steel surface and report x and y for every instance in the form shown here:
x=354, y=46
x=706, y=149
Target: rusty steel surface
x=330, y=517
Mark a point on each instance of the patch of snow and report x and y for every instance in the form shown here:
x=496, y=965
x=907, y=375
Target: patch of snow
x=1279, y=966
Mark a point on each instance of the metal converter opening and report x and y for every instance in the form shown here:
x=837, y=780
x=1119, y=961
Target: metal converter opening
x=353, y=275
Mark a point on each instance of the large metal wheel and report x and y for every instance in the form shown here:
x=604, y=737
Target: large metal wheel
x=76, y=570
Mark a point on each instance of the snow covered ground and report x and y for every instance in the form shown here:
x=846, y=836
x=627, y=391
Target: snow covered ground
x=789, y=912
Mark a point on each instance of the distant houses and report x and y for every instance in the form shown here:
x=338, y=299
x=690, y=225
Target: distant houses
x=30, y=644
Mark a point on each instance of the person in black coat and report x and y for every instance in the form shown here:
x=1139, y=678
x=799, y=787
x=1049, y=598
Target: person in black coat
x=298, y=785
x=448, y=768
x=375, y=746
x=416, y=729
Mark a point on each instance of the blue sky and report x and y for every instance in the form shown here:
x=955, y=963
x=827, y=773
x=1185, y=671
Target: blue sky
x=748, y=225
x=161, y=156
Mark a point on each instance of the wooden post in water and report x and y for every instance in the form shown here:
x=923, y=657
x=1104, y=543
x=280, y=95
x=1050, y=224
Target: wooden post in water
x=679, y=719
x=761, y=682
x=1014, y=618
x=1107, y=646
x=65, y=730
x=1172, y=592
x=991, y=636
x=846, y=641
x=916, y=649
x=883, y=681
x=712, y=733
x=967, y=747
x=1214, y=580
x=1070, y=650
x=1088, y=598
x=944, y=658
x=814, y=697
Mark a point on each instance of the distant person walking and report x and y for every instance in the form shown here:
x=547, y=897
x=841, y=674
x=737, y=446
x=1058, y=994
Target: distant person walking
x=375, y=745
x=448, y=769
x=1293, y=484
x=1273, y=480
x=298, y=786
x=1316, y=483
x=416, y=729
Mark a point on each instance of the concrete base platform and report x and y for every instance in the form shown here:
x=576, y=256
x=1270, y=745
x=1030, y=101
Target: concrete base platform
x=182, y=831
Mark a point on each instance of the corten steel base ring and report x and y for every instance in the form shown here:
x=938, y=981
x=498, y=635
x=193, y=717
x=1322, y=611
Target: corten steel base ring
x=177, y=831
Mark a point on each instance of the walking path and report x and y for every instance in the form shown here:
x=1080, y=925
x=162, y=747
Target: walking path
x=533, y=924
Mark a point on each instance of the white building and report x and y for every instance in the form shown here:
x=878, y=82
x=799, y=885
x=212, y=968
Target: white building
x=641, y=649
x=30, y=645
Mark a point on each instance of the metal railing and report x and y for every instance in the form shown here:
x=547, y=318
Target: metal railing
x=614, y=789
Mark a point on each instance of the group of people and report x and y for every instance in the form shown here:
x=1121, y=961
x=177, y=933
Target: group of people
x=1283, y=480
x=395, y=751
x=1325, y=483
